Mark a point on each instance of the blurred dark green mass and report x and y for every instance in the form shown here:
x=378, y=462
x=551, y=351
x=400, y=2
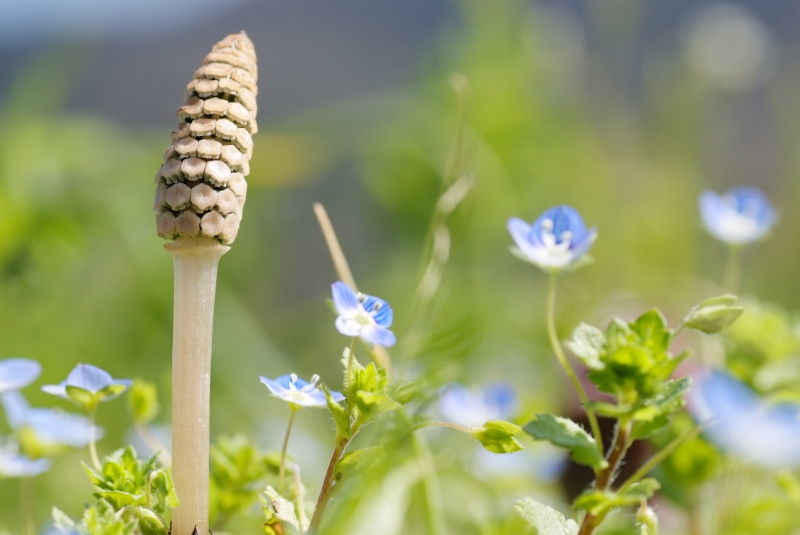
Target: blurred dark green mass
x=612, y=107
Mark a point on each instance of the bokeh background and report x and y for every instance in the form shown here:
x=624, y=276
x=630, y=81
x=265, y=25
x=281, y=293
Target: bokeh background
x=624, y=109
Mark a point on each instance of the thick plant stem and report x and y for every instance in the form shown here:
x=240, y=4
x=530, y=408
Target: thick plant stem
x=282, y=468
x=562, y=359
x=606, y=477
x=327, y=486
x=195, y=262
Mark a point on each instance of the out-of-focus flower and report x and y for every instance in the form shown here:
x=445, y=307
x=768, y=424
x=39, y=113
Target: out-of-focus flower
x=746, y=425
x=296, y=391
x=363, y=315
x=12, y=464
x=46, y=431
x=87, y=385
x=555, y=241
x=730, y=47
x=740, y=216
x=18, y=373
x=470, y=407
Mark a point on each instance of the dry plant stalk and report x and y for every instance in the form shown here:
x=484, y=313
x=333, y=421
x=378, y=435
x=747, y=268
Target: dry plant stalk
x=199, y=199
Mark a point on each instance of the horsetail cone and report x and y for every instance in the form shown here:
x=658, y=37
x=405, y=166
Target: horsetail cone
x=201, y=187
x=199, y=199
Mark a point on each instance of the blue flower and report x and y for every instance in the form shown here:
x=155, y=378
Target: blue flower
x=741, y=216
x=12, y=464
x=87, y=385
x=555, y=241
x=18, y=373
x=296, y=391
x=471, y=407
x=746, y=425
x=363, y=315
x=46, y=431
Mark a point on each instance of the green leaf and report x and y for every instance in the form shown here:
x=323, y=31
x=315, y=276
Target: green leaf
x=340, y=416
x=404, y=392
x=587, y=344
x=497, y=436
x=640, y=491
x=143, y=401
x=283, y=508
x=567, y=434
x=359, y=460
x=546, y=520
x=62, y=522
x=653, y=330
x=600, y=503
x=714, y=315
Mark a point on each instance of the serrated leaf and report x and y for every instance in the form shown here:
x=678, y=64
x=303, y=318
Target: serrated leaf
x=283, y=508
x=546, y=520
x=565, y=433
x=339, y=414
x=653, y=330
x=497, y=436
x=587, y=344
x=640, y=491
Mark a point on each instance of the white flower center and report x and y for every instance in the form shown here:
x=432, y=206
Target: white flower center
x=549, y=240
x=739, y=225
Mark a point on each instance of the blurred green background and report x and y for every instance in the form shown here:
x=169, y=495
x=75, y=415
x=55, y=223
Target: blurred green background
x=624, y=109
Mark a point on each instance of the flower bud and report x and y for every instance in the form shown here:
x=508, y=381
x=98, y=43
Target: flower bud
x=714, y=315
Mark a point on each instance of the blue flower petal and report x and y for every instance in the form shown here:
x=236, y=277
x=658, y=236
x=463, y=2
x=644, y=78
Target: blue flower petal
x=50, y=427
x=582, y=247
x=347, y=326
x=336, y=396
x=14, y=465
x=315, y=398
x=277, y=386
x=16, y=408
x=88, y=377
x=565, y=219
x=521, y=233
x=18, y=373
x=344, y=298
x=384, y=315
x=59, y=390
x=375, y=334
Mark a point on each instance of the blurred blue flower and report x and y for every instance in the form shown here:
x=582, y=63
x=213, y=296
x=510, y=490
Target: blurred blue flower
x=296, y=391
x=746, y=425
x=12, y=464
x=556, y=240
x=471, y=407
x=87, y=385
x=740, y=216
x=18, y=373
x=362, y=315
x=48, y=430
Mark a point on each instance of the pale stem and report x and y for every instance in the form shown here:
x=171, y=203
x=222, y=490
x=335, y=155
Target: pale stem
x=379, y=354
x=93, y=440
x=733, y=269
x=562, y=359
x=153, y=443
x=28, y=520
x=195, y=261
x=301, y=495
x=282, y=468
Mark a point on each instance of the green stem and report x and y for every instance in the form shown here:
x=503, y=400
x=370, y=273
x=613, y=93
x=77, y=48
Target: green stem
x=282, y=468
x=562, y=359
x=656, y=459
x=327, y=486
x=92, y=441
x=349, y=370
x=733, y=269
x=28, y=521
x=147, y=488
x=451, y=425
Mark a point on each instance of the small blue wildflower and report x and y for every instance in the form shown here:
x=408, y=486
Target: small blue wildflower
x=747, y=425
x=296, y=391
x=18, y=373
x=471, y=407
x=363, y=315
x=555, y=241
x=49, y=429
x=738, y=217
x=12, y=464
x=87, y=385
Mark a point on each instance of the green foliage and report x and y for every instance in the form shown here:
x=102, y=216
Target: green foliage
x=646, y=520
x=125, y=480
x=600, y=502
x=238, y=475
x=565, y=433
x=278, y=510
x=143, y=401
x=714, y=315
x=97, y=519
x=546, y=520
x=367, y=393
x=498, y=436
